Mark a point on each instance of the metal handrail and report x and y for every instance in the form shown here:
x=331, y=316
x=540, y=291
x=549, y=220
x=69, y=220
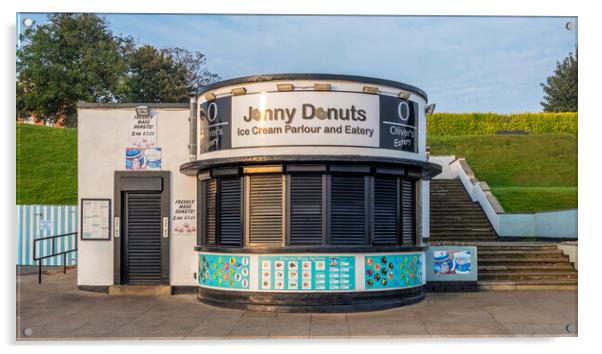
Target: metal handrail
x=53, y=252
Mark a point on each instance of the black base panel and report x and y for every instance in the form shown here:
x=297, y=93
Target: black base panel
x=184, y=289
x=451, y=286
x=94, y=288
x=309, y=302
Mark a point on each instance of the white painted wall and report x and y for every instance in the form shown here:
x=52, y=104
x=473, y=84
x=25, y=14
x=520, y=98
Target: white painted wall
x=554, y=224
x=102, y=140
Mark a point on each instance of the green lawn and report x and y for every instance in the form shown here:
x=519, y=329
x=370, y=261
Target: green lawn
x=46, y=165
x=525, y=172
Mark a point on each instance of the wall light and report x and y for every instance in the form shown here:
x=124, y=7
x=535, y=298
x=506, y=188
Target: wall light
x=404, y=95
x=285, y=87
x=238, y=91
x=430, y=109
x=322, y=87
x=142, y=111
x=370, y=89
x=209, y=96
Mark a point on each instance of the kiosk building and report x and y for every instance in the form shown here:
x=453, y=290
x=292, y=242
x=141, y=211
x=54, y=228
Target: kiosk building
x=293, y=192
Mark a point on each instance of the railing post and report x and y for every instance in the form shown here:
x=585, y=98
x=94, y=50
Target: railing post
x=40, y=271
x=64, y=263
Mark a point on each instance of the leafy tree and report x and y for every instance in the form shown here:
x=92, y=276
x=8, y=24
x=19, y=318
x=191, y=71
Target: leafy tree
x=561, y=88
x=165, y=75
x=74, y=57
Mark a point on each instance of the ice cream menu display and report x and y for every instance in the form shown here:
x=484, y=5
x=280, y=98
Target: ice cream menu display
x=224, y=271
x=393, y=271
x=307, y=273
x=95, y=219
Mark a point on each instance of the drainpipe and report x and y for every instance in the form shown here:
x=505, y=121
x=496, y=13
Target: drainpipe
x=192, y=120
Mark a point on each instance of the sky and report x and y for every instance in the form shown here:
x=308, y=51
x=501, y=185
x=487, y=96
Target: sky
x=464, y=64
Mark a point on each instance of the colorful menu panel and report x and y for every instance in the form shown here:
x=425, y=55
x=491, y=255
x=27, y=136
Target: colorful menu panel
x=224, y=271
x=393, y=271
x=307, y=273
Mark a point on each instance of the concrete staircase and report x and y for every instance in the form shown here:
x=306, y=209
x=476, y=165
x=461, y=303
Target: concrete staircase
x=502, y=265
x=524, y=266
x=454, y=216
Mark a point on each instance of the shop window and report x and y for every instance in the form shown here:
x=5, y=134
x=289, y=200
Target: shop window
x=386, y=211
x=229, y=215
x=408, y=211
x=210, y=208
x=306, y=209
x=265, y=209
x=347, y=210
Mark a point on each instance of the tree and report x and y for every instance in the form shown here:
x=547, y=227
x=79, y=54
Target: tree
x=165, y=75
x=561, y=88
x=74, y=57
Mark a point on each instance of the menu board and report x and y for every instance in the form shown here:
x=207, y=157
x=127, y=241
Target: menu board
x=306, y=273
x=95, y=219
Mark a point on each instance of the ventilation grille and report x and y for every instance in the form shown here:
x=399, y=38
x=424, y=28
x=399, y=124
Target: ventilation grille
x=229, y=213
x=347, y=223
x=143, y=253
x=265, y=219
x=306, y=209
x=385, y=211
x=210, y=208
x=408, y=212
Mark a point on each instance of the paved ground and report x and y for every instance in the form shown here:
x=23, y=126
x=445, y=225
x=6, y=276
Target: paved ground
x=58, y=310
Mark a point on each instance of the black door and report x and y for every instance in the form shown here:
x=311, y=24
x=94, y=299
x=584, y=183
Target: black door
x=141, y=260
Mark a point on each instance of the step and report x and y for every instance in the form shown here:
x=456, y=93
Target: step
x=517, y=257
x=523, y=261
x=519, y=267
x=140, y=290
x=494, y=285
x=512, y=253
x=528, y=276
x=515, y=247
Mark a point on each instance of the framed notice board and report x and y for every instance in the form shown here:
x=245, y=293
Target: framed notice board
x=95, y=219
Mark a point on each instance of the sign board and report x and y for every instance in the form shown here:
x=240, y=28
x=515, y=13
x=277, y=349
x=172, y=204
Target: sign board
x=143, y=159
x=95, y=219
x=308, y=273
x=45, y=225
x=143, y=129
x=184, y=217
x=309, y=118
x=452, y=263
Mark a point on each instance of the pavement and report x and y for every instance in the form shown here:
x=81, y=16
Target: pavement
x=57, y=310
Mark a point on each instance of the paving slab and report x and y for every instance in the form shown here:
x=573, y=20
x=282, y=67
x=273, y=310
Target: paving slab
x=57, y=310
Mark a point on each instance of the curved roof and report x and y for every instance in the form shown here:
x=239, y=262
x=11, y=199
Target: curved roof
x=337, y=77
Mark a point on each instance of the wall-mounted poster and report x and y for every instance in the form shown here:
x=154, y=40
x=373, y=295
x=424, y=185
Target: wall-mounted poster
x=184, y=217
x=306, y=273
x=452, y=262
x=95, y=219
x=224, y=271
x=143, y=159
x=393, y=271
x=143, y=129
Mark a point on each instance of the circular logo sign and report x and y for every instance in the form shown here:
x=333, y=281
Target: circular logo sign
x=403, y=111
x=212, y=112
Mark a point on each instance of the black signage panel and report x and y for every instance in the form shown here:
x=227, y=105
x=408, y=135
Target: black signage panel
x=215, y=122
x=398, y=124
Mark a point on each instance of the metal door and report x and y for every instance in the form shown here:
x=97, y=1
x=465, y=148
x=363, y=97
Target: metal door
x=142, y=238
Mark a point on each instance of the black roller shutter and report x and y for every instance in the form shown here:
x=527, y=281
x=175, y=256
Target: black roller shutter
x=386, y=211
x=143, y=248
x=265, y=219
x=347, y=209
x=230, y=230
x=210, y=209
x=408, y=211
x=305, y=209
